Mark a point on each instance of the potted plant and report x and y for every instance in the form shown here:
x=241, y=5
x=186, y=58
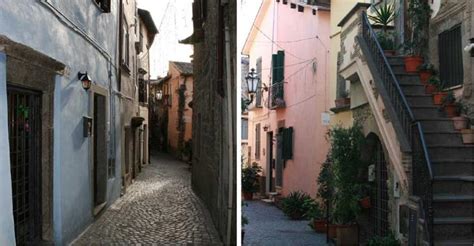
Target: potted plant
x=434, y=85
x=388, y=240
x=460, y=122
x=426, y=70
x=449, y=105
x=250, y=176
x=295, y=205
x=419, y=12
x=468, y=136
x=384, y=15
x=315, y=215
x=343, y=99
x=326, y=190
x=347, y=162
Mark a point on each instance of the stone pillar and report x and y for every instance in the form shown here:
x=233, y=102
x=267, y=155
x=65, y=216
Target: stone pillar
x=7, y=231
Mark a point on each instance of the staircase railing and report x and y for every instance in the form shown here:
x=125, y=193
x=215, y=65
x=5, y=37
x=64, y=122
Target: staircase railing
x=422, y=174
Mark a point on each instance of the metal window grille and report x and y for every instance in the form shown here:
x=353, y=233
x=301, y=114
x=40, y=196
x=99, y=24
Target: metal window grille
x=451, y=70
x=380, y=210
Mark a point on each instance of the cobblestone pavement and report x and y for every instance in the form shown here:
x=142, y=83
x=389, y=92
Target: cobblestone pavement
x=159, y=208
x=269, y=226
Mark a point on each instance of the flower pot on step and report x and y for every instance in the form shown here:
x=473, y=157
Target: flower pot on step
x=424, y=76
x=451, y=110
x=467, y=136
x=248, y=196
x=438, y=97
x=365, y=202
x=429, y=89
x=347, y=235
x=320, y=225
x=412, y=63
x=460, y=122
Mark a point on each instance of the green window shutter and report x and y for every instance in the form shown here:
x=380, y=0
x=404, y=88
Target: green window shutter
x=274, y=68
x=258, y=99
x=280, y=65
x=288, y=143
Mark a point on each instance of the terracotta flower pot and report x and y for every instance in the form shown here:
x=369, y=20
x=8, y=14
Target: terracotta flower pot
x=332, y=233
x=248, y=196
x=319, y=225
x=412, y=63
x=365, y=202
x=450, y=110
x=347, y=235
x=340, y=102
x=467, y=136
x=438, y=97
x=460, y=122
x=424, y=76
x=429, y=89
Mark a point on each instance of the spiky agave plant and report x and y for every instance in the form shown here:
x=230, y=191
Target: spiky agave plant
x=383, y=15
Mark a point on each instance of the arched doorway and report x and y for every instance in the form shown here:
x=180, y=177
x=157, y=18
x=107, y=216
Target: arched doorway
x=379, y=188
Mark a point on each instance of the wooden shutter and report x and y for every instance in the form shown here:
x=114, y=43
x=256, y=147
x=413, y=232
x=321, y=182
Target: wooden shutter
x=280, y=65
x=257, y=141
x=287, y=143
x=279, y=161
x=451, y=70
x=258, y=99
x=274, y=69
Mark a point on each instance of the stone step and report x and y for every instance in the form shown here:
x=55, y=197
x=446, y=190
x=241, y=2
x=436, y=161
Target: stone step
x=420, y=111
x=398, y=68
x=419, y=100
x=467, y=242
x=453, y=185
x=396, y=60
x=452, y=167
x=436, y=124
x=458, y=151
x=408, y=79
x=453, y=228
x=447, y=205
x=413, y=90
x=443, y=138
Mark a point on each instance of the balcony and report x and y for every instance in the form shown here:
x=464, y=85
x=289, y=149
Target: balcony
x=276, y=96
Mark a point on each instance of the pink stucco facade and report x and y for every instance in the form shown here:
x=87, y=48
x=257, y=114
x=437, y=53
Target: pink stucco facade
x=304, y=37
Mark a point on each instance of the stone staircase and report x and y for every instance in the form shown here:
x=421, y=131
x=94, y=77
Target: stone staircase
x=452, y=163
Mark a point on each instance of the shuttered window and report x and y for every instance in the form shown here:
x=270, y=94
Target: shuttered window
x=278, y=67
x=257, y=141
x=245, y=128
x=258, y=99
x=287, y=147
x=451, y=70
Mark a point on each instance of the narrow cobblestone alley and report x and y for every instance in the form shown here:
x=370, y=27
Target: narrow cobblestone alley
x=159, y=208
x=269, y=226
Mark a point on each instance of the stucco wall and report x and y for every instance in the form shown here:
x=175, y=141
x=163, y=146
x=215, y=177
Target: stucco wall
x=79, y=41
x=305, y=89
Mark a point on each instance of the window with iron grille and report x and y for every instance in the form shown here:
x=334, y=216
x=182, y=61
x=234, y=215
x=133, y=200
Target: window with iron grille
x=257, y=141
x=451, y=70
x=104, y=5
x=258, y=98
x=278, y=76
x=245, y=129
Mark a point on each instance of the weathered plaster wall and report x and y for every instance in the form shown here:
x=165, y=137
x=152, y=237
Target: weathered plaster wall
x=79, y=41
x=7, y=231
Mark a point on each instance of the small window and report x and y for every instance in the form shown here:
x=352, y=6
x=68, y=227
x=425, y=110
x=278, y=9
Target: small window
x=451, y=70
x=257, y=141
x=125, y=54
x=104, y=5
x=258, y=99
x=245, y=128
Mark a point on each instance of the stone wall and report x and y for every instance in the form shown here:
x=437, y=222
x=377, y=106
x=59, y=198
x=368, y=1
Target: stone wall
x=211, y=132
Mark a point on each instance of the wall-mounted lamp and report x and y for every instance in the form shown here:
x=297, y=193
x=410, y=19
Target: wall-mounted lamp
x=159, y=95
x=85, y=79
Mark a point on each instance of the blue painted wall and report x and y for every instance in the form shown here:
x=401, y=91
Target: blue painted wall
x=7, y=236
x=77, y=34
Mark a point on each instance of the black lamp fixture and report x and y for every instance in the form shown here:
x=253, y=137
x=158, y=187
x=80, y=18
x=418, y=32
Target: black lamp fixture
x=252, y=81
x=85, y=79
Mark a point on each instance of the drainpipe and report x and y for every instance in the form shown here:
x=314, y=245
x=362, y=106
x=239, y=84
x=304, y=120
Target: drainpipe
x=230, y=149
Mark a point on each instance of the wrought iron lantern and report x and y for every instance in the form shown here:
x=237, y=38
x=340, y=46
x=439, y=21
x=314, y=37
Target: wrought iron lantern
x=252, y=81
x=85, y=79
x=159, y=95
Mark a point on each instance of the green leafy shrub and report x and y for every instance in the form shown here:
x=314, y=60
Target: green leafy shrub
x=326, y=181
x=388, y=240
x=296, y=204
x=250, y=175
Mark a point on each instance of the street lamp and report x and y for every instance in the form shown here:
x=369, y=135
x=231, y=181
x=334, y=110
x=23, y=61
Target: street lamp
x=159, y=95
x=85, y=79
x=252, y=81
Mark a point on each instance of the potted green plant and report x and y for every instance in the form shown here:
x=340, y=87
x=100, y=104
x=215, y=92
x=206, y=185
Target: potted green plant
x=460, y=122
x=315, y=215
x=419, y=12
x=383, y=15
x=326, y=189
x=388, y=240
x=250, y=176
x=295, y=205
x=347, y=162
x=449, y=105
x=433, y=87
x=426, y=70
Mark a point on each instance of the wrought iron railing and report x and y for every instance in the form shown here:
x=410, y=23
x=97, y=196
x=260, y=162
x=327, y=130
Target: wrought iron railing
x=422, y=174
x=276, y=95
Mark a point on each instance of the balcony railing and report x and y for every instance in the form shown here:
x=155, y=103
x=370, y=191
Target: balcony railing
x=276, y=96
x=422, y=174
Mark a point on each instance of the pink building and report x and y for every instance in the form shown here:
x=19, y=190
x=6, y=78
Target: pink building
x=288, y=46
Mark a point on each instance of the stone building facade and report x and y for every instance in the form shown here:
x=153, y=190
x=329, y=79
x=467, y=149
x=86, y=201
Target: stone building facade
x=214, y=111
